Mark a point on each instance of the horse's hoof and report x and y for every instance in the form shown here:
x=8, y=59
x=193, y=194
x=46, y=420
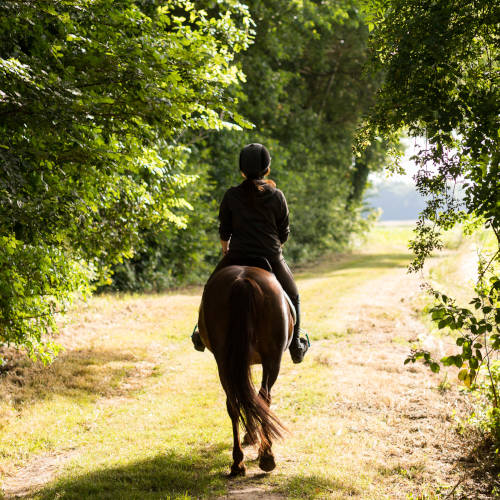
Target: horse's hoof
x=267, y=463
x=248, y=441
x=237, y=470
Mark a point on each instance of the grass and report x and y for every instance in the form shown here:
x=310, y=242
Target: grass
x=327, y=286
x=454, y=271
x=138, y=414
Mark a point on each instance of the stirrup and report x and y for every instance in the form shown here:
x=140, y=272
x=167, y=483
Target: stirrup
x=307, y=337
x=196, y=339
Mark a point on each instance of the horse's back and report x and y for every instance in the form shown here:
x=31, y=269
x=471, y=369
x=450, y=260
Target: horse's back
x=272, y=326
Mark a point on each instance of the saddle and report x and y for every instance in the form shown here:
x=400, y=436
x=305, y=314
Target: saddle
x=263, y=263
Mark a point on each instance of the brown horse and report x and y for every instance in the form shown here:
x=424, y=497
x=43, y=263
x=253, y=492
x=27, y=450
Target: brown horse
x=245, y=319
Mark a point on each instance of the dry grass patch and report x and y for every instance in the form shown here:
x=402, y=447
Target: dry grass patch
x=138, y=414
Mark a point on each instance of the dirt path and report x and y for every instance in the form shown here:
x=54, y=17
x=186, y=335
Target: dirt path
x=362, y=424
x=399, y=407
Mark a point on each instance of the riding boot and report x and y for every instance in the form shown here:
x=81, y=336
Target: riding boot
x=299, y=345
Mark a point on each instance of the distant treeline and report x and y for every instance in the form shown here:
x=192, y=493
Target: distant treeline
x=397, y=200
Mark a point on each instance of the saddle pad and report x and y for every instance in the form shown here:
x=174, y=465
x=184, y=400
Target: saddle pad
x=260, y=262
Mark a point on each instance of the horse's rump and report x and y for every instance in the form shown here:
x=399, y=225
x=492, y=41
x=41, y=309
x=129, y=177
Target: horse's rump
x=273, y=323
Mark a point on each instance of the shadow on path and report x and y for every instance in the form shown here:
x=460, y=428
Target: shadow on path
x=75, y=373
x=169, y=475
x=202, y=474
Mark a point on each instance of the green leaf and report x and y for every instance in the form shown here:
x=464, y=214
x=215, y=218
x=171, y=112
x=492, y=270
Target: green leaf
x=443, y=323
x=448, y=360
x=435, y=367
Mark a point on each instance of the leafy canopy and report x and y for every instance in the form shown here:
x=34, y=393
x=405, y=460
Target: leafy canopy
x=305, y=94
x=440, y=60
x=95, y=96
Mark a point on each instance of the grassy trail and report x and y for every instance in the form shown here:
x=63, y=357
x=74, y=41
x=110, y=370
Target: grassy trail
x=130, y=411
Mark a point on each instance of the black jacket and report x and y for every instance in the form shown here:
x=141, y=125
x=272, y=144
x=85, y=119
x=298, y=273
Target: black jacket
x=255, y=220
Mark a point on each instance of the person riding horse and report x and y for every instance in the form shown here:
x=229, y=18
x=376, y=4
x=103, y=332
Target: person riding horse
x=254, y=225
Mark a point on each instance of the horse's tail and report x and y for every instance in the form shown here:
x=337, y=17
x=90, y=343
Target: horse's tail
x=253, y=412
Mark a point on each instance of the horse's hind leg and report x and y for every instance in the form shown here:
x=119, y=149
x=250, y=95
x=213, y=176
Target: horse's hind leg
x=248, y=441
x=269, y=375
x=238, y=468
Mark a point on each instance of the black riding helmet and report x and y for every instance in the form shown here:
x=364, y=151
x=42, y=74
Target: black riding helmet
x=254, y=160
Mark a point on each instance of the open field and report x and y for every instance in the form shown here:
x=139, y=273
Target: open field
x=129, y=410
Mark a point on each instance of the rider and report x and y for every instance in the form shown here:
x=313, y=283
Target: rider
x=254, y=223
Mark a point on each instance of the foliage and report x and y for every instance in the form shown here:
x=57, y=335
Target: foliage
x=95, y=97
x=121, y=126
x=440, y=61
x=305, y=94
x=174, y=256
x=478, y=334
x=486, y=415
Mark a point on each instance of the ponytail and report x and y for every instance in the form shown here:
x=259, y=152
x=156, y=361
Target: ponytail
x=251, y=188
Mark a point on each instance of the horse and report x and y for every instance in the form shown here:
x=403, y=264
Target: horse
x=245, y=319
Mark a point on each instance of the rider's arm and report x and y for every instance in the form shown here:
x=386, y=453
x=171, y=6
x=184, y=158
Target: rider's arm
x=226, y=221
x=225, y=246
x=282, y=220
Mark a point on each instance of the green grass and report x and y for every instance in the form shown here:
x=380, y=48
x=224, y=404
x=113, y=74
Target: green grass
x=141, y=415
x=327, y=285
x=454, y=271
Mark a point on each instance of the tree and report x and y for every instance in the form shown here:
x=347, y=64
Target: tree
x=95, y=99
x=311, y=57
x=305, y=93
x=440, y=63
